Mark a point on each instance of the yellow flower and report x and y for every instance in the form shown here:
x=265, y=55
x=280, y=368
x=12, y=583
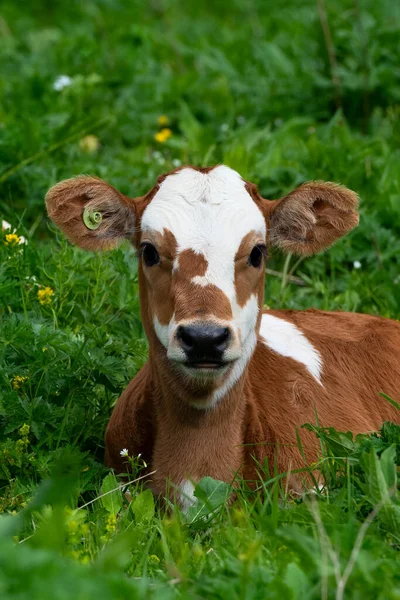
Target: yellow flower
x=25, y=429
x=163, y=135
x=12, y=239
x=89, y=144
x=18, y=381
x=44, y=295
x=111, y=523
x=163, y=120
x=72, y=527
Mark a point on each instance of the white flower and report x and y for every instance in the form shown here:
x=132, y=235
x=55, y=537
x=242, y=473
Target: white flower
x=176, y=162
x=61, y=82
x=357, y=264
x=5, y=226
x=124, y=452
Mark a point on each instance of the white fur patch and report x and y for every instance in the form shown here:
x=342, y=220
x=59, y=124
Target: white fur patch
x=186, y=495
x=287, y=339
x=162, y=332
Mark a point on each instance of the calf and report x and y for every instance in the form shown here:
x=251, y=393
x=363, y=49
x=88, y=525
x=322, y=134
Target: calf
x=228, y=382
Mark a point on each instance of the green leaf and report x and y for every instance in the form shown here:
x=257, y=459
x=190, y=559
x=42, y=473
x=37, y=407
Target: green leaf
x=211, y=494
x=297, y=581
x=388, y=466
x=390, y=400
x=143, y=506
x=112, y=500
x=380, y=478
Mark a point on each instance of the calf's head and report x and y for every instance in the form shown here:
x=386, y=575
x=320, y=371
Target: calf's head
x=202, y=237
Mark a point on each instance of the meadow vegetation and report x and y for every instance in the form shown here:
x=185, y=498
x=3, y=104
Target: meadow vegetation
x=127, y=91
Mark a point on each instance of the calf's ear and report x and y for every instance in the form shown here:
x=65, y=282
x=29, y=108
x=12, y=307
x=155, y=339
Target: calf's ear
x=312, y=217
x=91, y=213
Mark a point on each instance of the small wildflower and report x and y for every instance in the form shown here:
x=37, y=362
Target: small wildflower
x=176, y=162
x=163, y=120
x=5, y=225
x=72, y=527
x=124, y=452
x=357, y=264
x=20, y=445
x=163, y=135
x=89, y=144
x=61, y=82
x=111, y=524
x=44, y=295
x=18, y=381
x=12, y=239
x=25, y=429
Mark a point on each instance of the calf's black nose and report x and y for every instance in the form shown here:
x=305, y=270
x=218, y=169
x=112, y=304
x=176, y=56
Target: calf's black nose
x=204, y=341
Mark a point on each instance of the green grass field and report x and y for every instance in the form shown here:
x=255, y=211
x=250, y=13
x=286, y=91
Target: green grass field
x=127, y=91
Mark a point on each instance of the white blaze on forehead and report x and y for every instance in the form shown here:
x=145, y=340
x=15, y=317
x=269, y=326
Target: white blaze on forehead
x=287, y=339
x=209, y=213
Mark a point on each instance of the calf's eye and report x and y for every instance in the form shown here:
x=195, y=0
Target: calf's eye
x=150, y=255
x=256, y=256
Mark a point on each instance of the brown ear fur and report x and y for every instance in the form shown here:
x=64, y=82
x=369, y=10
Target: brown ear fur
x=67, y=200
x=312, y=217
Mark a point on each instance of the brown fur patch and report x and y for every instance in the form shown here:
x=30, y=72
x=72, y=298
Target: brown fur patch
x=155, y=285
x=192, y=264
x=248, y=280
x=193, y=300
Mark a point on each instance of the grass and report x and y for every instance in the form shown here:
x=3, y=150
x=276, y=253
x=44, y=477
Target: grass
x=250, y=85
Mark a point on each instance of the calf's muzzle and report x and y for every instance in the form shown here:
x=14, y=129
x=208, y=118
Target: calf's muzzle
x=203, y=343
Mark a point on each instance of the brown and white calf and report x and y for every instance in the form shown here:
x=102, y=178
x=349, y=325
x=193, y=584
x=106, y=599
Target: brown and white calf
x=227, y=381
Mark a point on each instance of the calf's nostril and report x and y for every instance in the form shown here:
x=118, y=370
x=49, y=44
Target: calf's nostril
x=222, y=339
x=186, y=337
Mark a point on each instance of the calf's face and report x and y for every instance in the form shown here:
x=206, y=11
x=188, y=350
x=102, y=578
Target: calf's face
x=202, y=244
x=202, y=237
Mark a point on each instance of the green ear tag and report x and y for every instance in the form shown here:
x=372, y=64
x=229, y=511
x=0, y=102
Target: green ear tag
x=92, y=218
